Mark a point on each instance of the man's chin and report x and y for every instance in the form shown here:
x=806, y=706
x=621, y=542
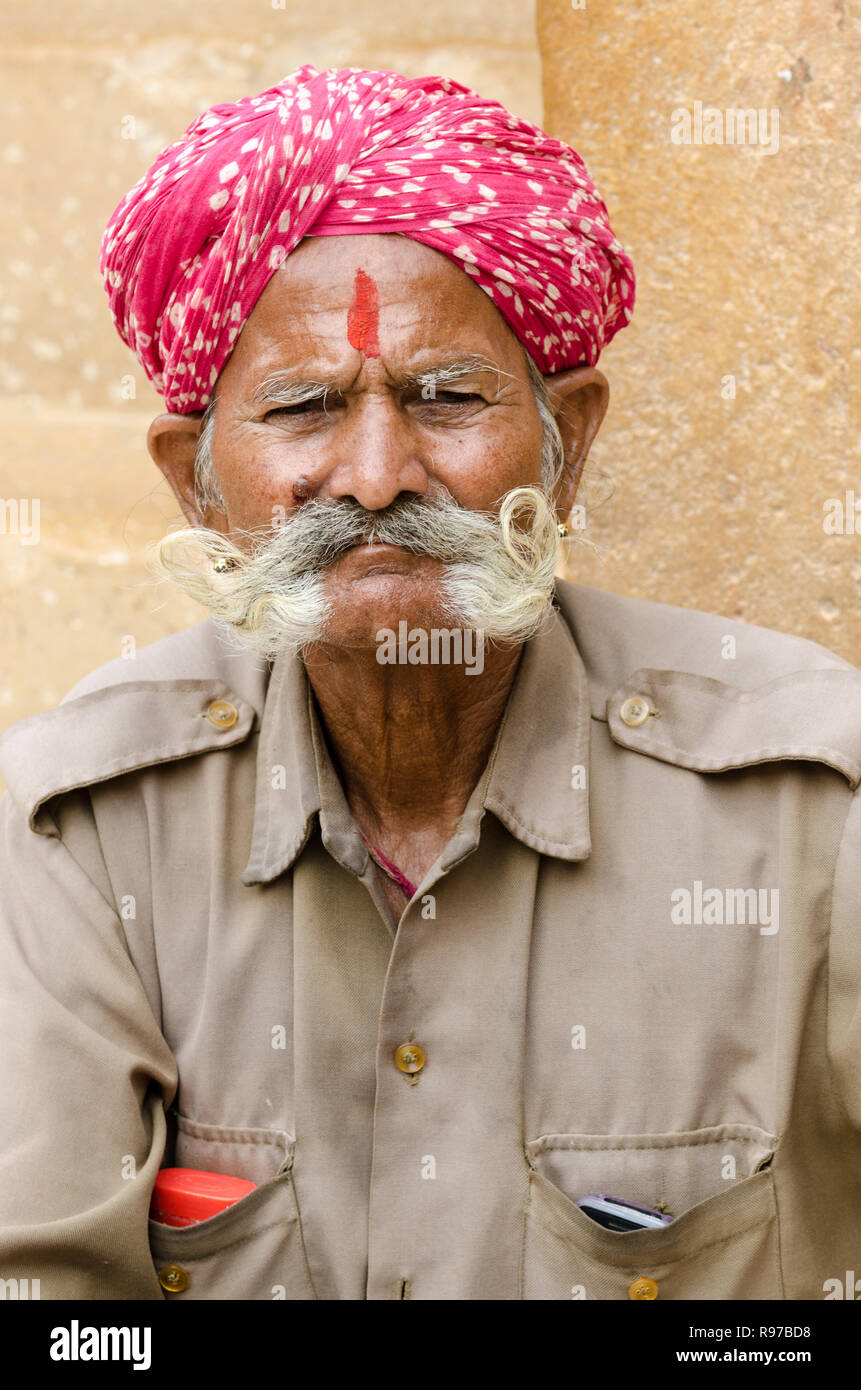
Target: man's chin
x=364, y=630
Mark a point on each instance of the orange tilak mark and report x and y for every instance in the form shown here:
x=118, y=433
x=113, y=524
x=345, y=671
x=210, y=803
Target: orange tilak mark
x=363, y=318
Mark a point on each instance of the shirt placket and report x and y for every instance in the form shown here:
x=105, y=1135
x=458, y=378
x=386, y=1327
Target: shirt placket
x=341, y=949
x=449, y=1174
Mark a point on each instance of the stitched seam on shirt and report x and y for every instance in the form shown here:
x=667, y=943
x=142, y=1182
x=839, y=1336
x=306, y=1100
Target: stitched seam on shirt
x=791, y=750
x=538, y=1146
x=524, y=1229
x=213, y=685
x=167, y=754
x=778, y=1253
x=301, y=1238
x=253, y=1135
x=534, y=840
x=265, y=867
x=797, y=752
x=833, y=1083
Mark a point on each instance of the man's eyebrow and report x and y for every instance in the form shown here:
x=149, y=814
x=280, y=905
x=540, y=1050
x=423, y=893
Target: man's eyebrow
x=448, y=371
x=284, y=388
x=287, y=388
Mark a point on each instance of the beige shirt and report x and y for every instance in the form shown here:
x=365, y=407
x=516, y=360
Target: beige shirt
x=635, y=970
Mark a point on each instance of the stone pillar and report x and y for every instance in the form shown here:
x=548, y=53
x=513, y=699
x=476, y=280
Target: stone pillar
x=724, y=141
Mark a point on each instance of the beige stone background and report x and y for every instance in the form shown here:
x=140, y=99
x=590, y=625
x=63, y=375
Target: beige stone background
x=746, y=267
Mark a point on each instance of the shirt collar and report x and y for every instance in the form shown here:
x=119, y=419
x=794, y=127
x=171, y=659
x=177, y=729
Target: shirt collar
x=539, y=769
x=536, y=780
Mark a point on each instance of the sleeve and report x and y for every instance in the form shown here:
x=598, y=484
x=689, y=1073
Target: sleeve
x=844, y=968
x=85, y=1072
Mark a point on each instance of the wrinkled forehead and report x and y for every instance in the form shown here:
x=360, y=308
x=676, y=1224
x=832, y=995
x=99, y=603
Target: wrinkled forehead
x=382, y=296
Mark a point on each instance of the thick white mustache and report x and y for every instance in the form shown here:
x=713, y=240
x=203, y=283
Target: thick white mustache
x=498, y=575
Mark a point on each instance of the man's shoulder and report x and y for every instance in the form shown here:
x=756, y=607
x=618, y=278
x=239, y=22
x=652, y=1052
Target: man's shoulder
x=616, y=634
x=709, y=692
x=197, y=653
x=183, y=695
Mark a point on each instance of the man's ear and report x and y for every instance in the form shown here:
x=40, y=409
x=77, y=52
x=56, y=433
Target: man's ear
x=578, y=400
x=172, y=443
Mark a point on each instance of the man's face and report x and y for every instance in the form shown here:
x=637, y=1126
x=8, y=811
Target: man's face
x=364, y=316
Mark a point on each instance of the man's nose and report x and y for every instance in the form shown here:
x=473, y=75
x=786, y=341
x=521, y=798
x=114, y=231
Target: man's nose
x=378, y=455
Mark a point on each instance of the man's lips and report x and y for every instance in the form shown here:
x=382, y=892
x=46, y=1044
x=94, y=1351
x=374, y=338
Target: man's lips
x=376, y=557
x=372, y=554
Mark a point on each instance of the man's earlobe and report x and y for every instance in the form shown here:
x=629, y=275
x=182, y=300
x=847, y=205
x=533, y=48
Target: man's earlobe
x=172, y=443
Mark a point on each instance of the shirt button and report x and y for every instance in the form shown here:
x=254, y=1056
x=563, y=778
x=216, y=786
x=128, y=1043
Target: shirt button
x=635, y=711
x=222, y=714
x=409, y=1057
x=643, y=1288
x=174, y=1278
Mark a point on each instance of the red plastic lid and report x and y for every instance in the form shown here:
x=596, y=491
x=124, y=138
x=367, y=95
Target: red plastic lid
x=184, y=1196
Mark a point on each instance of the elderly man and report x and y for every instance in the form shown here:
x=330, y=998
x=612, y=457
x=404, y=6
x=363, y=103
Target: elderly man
x=423, y=893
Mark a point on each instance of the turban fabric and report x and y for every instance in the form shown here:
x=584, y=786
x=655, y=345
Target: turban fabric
x=191, y=247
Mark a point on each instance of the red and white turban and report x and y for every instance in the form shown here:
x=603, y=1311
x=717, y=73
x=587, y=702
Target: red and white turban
x=190, y=249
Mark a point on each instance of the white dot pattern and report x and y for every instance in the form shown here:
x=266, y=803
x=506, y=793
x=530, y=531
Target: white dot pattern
x=191, y=247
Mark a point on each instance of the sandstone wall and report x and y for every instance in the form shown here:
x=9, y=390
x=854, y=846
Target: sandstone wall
x=732, y=438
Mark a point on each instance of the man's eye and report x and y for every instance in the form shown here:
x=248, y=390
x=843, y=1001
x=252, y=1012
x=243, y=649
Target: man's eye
x=297, y=408
x=454, y=397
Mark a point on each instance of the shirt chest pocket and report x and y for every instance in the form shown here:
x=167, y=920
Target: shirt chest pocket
x=251, y=1250
x=723, y=1243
